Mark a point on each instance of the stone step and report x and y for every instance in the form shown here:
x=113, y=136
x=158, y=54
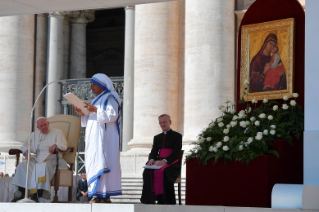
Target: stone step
x=136, y=196
x=139, y=188
x=125, y=192
x=141, y=184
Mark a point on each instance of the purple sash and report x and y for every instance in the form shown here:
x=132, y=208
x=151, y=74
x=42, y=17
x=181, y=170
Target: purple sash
x=158, y=173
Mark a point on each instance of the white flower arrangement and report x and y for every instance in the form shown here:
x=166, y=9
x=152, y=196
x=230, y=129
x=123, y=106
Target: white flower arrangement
x=249, y=133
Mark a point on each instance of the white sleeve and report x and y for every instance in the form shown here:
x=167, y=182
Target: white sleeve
x=84, y=120
x=25, y=145
x=110, y=113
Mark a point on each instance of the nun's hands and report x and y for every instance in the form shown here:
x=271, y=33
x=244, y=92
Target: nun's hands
x=78, y=110
x=91, y=108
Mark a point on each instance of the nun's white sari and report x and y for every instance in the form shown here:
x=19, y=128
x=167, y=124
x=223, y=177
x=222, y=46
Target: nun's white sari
x=102, y=144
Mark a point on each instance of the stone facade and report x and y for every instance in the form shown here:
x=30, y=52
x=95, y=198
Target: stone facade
x=180, y=59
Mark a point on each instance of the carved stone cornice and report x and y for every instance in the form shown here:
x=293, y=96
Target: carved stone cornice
x=81, y=16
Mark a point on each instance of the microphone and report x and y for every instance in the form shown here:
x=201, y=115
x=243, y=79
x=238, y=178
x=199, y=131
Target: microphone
x=63, y=81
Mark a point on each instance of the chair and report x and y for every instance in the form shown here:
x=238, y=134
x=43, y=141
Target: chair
x=71, y=127
x=179, y=179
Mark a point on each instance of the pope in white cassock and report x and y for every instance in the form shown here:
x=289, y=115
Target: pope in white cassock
x=102, y=141
x=43, y=142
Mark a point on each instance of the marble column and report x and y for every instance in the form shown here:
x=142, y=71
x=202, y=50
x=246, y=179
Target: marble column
x=41, y=62
x=209, y=62
x=155, y=70
x=78, y=20
x=55, y=64
x=16, y=79
x=128, y=100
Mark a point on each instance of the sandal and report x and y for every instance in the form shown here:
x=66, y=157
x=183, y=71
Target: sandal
x=95, y=200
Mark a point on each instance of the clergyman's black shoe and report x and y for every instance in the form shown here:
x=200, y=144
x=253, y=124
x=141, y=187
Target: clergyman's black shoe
x=18, y=195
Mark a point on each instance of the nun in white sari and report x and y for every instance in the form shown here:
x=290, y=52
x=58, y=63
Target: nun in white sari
x=102, y=140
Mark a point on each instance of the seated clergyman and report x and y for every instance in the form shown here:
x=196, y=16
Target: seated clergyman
x=158, y=185
x=43, y=143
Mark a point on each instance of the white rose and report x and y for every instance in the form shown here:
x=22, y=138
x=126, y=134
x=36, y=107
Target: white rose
x=259, y=133
x=215, y=149
x=262, y=116
x=246, y=144
x=252, y=118
x=233, y=103
x=240, y=115
x=275, y=107
x=235, y=117
x=233, y=123
x=199, y=147
x=250, y=139
x=201, y=140
x=285, y=97
x=232, y=111
x=225, y=131
x=211, y=148
x=273, y=132
x=270, y=117
x=220, y=107
x=228, y=126
x=208, y=139
x=225, y=148
x=246, y=82
x=258, y=137
x=240, y=147
x=295, y=95
x=219, y=144
x=285, y=106
x=273, y=126
x=247, y=122
x=265, y=100
x=242, y=124
x=249, y=110
x=224, y=109
x=254, y=101
x=265, y=132
x=293, y=103
x=242, y=112
x=226, y=138
x=211, y=125
x=257, y=123
x=219, y=120
x=221, y=124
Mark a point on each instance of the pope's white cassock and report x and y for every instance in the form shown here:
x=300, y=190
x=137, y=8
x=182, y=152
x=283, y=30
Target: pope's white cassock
x=102, y=142
x=43, y=165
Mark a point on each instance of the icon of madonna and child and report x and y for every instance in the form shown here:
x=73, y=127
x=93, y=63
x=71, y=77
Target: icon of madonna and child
x=267, y=71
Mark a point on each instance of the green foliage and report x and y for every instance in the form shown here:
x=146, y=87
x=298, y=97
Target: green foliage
x=249, y=133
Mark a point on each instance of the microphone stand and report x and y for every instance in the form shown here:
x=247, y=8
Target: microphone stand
x=26, y=199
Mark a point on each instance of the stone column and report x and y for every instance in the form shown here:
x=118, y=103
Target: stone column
x=156, y=70
x=209, y=62
x=55, y=64
x=16, y=79
x=41, y=62
x=128, y=100
x=78, y=20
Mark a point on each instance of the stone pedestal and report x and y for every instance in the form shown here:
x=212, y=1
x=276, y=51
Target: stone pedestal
x=156, y=70
x=55, y=64
x=128, y=100
x=209, y=62
x=17, y=68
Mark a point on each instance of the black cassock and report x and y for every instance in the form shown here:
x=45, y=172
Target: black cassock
x=173, y=140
